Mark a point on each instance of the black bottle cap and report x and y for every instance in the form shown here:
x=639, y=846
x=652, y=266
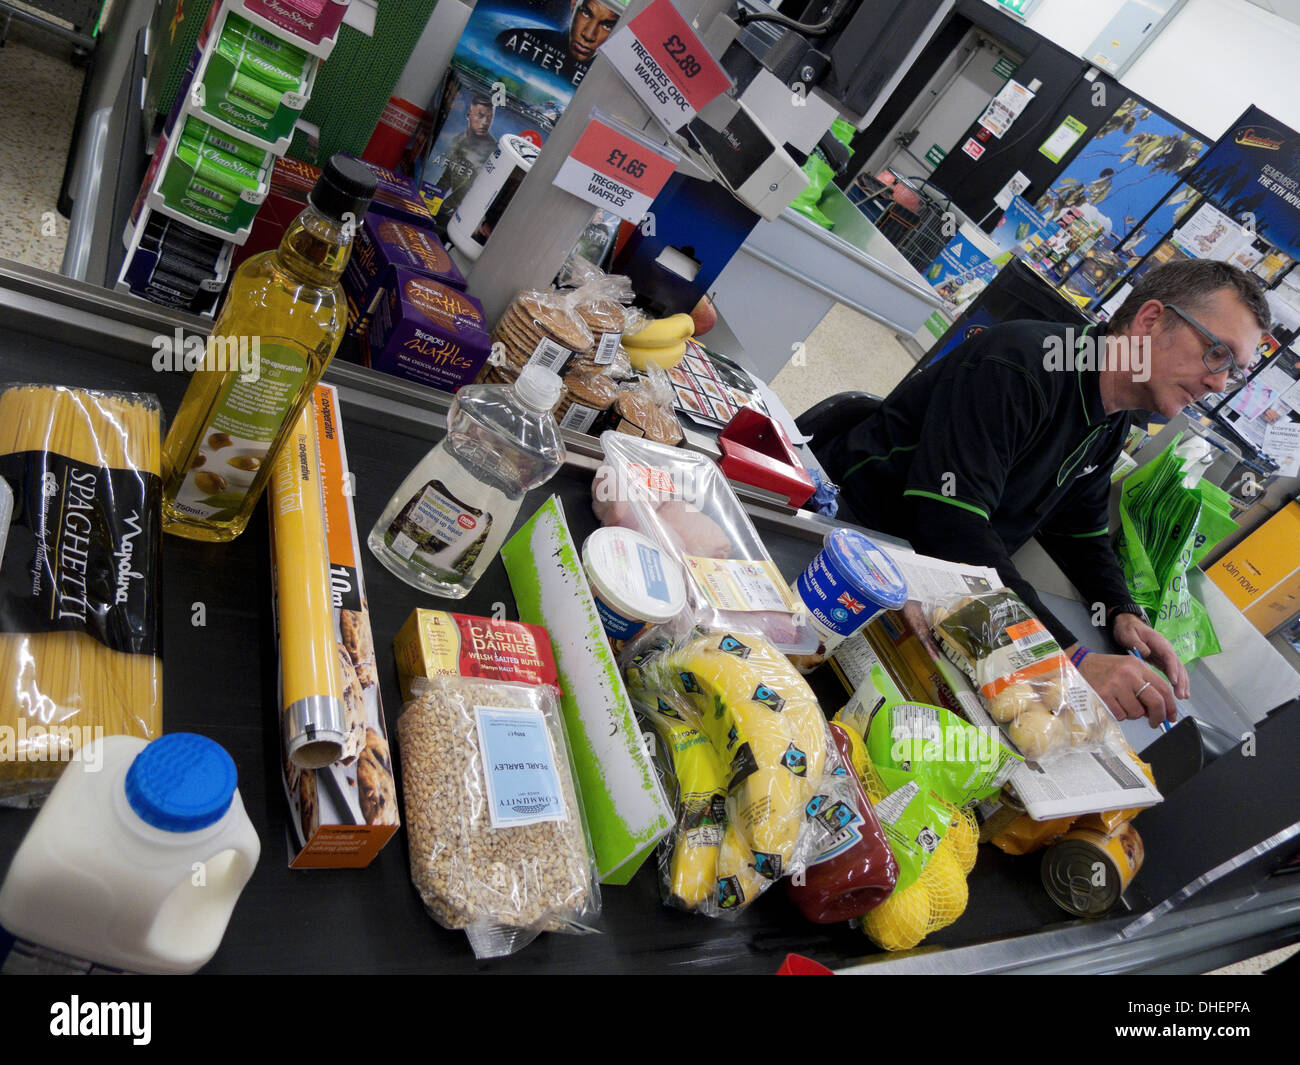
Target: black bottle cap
x=345, y=185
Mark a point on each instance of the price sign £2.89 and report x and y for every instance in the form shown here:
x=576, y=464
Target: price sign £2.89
x=665, y=63
x=614, y=170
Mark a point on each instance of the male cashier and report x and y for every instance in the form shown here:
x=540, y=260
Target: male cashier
x=1013, y=435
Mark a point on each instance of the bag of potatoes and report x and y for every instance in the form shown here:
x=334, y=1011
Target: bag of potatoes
x=1029, y=687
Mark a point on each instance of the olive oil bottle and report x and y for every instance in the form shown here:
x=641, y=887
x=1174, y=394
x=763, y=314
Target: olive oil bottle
x=280, y=325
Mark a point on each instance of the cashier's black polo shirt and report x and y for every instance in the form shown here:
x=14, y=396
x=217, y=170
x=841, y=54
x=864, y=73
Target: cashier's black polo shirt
x=990, y=446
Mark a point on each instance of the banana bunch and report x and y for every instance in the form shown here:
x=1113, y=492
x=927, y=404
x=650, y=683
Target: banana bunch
x=662, y=342
x=701, y=795
x=770, y=739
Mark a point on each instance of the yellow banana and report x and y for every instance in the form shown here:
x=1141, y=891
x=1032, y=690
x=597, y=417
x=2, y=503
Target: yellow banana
x=857, y=746
x=738, y=882
x=662, y=332
x=768, y=729
x=693, y=867
x=701, y=789
x=665, y=358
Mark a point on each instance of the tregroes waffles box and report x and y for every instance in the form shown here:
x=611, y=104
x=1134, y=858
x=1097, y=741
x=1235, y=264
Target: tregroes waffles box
x=383, y=243
x=426, y=332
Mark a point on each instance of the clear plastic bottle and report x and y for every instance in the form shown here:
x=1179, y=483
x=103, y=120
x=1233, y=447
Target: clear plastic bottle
x=450, y=516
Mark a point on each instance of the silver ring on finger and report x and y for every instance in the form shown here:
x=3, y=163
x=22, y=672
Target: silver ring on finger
x=1142, y=689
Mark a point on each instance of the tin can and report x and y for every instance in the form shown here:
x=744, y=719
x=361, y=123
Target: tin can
x=1087, y=871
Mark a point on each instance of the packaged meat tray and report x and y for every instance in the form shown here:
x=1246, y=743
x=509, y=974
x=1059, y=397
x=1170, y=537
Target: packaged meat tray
x=682, y=500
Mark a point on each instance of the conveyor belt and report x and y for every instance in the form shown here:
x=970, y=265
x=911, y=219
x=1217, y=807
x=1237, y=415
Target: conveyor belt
x=219, y=680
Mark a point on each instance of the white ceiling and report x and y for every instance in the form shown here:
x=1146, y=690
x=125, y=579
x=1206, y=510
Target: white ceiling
x=1287, y=9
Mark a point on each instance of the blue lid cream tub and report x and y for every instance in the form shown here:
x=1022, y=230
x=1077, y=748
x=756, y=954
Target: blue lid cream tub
x=634, y=583
x=848, y=585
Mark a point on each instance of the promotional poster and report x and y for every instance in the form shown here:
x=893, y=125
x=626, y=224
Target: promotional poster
x=470, y=131
x=515, y=70
x=538, y=49
x=1255, y=169
x=1130, y=165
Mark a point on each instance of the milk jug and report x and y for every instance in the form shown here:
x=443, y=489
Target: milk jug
x=135, y=861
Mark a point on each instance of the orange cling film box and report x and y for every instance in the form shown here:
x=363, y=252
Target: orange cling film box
x=344, y=814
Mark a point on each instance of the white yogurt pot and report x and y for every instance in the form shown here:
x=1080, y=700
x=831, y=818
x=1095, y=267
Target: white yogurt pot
x=634, y=583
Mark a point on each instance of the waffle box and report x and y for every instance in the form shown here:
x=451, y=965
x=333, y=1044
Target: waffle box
x=383, y=243
x=397, y=197
x=425, y=331
x=343, y=814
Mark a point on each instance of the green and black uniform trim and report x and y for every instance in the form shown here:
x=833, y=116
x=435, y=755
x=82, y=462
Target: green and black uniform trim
x=986, y=449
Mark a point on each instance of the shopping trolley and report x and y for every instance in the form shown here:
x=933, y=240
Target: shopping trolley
x=919, y=228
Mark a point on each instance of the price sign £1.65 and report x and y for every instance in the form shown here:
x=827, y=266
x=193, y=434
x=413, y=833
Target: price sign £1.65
x=666, y=64
x=615, y=170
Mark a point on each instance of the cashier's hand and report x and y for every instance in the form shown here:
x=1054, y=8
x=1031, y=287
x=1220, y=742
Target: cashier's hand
x=1130, y=630
x=1130, y=689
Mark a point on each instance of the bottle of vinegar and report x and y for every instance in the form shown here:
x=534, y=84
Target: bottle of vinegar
x=280, y=325
x=450, y=516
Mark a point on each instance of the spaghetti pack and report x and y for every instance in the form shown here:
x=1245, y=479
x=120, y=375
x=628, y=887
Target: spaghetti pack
x=80, y=639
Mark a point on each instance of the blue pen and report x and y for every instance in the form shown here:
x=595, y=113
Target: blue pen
x=1164, y=724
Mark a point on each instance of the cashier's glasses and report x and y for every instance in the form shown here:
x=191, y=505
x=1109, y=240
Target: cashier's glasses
x=1218, y=356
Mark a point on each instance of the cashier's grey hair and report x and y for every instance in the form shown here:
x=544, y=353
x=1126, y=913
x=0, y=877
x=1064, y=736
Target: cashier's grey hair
x=1187, y=284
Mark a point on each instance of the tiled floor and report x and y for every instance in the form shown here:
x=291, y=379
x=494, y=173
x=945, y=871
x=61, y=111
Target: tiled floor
x=39, y=89
x=847, y=352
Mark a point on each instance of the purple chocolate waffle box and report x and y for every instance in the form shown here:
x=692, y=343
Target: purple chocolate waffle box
x=425, y=331
x=384, y=243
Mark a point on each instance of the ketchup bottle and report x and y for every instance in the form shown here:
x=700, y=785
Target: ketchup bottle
x=859, y=871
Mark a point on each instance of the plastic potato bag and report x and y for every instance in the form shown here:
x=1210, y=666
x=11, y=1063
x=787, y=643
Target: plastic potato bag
x=1029, y=687
x=682, y=500
x=769, y=752
x=498, y=843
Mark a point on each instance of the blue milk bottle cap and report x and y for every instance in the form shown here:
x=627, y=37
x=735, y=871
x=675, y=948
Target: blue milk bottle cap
x=181, y=782
x=868, y=567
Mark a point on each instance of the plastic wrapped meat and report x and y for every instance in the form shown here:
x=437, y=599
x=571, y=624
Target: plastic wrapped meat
x=682, y=501
x=609, y=503
x=694, y=531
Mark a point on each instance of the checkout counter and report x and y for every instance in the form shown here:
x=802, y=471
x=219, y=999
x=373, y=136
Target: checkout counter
x=791, y=272
x=1238, y=814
